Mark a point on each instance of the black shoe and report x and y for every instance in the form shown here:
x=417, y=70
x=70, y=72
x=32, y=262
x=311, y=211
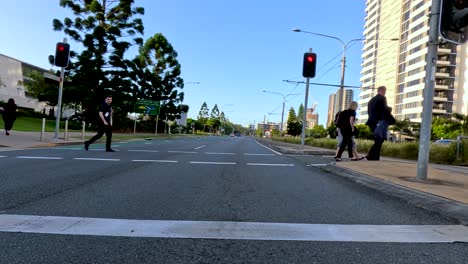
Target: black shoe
x=86, y=145
x=7, y=133
x=110, y=150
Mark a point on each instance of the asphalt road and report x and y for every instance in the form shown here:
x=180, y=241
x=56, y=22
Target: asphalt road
x=219, y=180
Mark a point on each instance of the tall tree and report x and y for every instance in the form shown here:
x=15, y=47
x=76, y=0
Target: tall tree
x=103, y=27
x=300, y=114
x=294, y=127
x=203, y=115
x=41, y=90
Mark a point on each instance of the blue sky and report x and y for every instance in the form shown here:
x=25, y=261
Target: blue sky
x=234, y=49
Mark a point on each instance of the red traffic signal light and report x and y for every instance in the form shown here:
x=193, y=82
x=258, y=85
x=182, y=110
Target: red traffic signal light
x=309, y=65
x=62, y=54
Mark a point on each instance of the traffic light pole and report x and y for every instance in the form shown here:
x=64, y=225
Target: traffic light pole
x=59, y=101
x=304, y=116
x=431, y=66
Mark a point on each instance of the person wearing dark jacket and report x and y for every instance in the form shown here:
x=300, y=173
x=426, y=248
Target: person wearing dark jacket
x=379, y=114
x=347, y=119
x=9, y=115
x=104, y=125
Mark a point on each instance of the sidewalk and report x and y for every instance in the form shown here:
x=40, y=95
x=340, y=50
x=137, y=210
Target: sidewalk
x=22, y=140
x=445, y=191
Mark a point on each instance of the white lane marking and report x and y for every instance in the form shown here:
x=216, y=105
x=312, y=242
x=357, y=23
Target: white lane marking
x=213, y=163
x=142, y=150
x=233, y=230
x=186, y=152
x=96, y=159
x=200, y=147
x=316, y=165
x=31, y=157
x=274, y=151
x=162, y=161
x=219, y=153
x=3, y=156
x=269, y=164
x=254, y=154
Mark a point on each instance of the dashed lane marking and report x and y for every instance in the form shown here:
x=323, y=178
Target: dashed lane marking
x=159, y=161
x=200, y=147
x=97, y=159
x=212, y=163
x=316, y=165
x=270, y=164
x=142, y=150
x=219, y=153
x=31, y=157
x=184, y=152
x=254, y=154
x=60, y=225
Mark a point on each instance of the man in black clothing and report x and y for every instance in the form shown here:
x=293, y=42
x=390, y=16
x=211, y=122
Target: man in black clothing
x=104, y=125
x=378, y=110
x=346, y=124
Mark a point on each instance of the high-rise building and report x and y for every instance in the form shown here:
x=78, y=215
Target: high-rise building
x=311, y=117
x=334, y=104
x=401, y=65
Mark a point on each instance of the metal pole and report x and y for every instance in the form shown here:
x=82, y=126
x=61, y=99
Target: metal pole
x=59, y=101
x=343, y=66
x=43, y=129
x=431, y=60
x=156, y=130
x=65, y=135
x=282, y=115
x=305, y=110
x=83, y=130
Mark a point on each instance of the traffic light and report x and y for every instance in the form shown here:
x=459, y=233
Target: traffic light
x=453, y=20
x=62, y=54
x=308, y=68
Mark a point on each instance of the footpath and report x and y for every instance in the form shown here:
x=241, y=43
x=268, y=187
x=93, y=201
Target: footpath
x=444, y=192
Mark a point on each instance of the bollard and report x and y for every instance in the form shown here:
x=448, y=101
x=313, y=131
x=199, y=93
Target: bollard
x=83, y=131
x=65, y=134
x=43, y=129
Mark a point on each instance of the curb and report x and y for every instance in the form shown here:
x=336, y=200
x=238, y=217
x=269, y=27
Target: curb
x=294, y=150
x=447, y=208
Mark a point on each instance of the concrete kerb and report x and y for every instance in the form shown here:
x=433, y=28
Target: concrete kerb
x=440, y=205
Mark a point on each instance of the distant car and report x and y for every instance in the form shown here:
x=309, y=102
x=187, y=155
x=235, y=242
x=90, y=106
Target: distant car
x=444, y=141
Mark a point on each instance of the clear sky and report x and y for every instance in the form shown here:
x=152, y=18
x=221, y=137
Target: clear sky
x=234, y=49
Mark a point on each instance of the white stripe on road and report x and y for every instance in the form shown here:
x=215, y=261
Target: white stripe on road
x=270, y=164
x=96, y=159
x=213, y=163
x=316, y=165
x=30, y=157
x=254, y=154
x=274, y=151
x=186, y=152
x=3, y=156
x=142, y=150
x=162, y=161
x=219, y=153
x=233, y=230
x=200, y=147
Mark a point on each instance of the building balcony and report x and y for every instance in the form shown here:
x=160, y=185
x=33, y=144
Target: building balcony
x=437, y=110
x=444, y=51
x=441, y=86
x=443, y=63
x=442, y=75
x=440, y=98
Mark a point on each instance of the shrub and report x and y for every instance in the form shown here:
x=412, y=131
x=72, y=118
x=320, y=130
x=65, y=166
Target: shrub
x=444, y=154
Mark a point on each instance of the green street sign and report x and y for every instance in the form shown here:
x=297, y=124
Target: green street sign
x=147, y=107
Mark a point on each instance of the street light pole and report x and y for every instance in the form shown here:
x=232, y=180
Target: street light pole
x=284, y=102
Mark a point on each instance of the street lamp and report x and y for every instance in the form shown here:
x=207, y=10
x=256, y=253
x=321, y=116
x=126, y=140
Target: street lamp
x=284, y=101
x=343, y=59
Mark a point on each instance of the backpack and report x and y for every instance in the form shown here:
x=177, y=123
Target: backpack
x=337, y=119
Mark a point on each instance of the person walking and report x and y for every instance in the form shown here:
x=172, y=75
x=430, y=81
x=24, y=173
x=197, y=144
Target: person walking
x=347, y=119
x=378, y=122
x=104, y=125
x=9, y=115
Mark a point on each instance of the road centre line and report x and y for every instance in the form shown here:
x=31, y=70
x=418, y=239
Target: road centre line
x=232, y=230
x=270, y=164
x=142, y=150
x=37, y=157
x=160, y=161
x=219, y=153
x=316, y=165
x=200, y=147
x=212, y=163
x=254, y=154
x=274, y=151
x=185, y=152
x=97, y=159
